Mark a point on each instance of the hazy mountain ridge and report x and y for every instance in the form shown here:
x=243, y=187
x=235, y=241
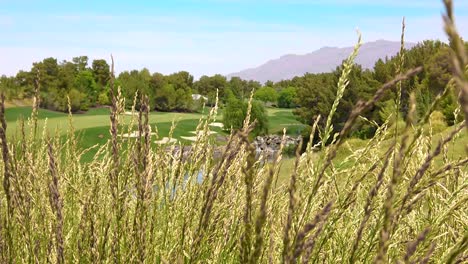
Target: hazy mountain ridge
x=324, y=59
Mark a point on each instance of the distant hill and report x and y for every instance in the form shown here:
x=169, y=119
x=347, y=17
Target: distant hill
x=325, y=59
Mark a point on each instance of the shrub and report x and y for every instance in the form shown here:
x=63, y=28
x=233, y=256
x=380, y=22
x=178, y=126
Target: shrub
x=103, y=99
x=437, y=122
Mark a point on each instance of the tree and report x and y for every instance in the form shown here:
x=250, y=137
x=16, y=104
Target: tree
x=266, y=94
x=76, y=101
x=183, y=100
x=84, y=83
x=165, y=99
x=133, y=82
x=208, y=86
x=25, y=80
x=239, y=88
x=81, y=63
x=259, y=115
x=235, y=113
x=315, y=93
x=157, y=81
x=382, y=71
x=48, y=71
x=287, y=97
x=182, y=83
x=10, y=88
x=101, y=72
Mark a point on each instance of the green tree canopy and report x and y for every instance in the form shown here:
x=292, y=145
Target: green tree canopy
x=235, y=113
x=266, y=94
x=287, y=97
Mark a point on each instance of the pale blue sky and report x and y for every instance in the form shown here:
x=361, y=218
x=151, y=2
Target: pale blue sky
x=204, y=36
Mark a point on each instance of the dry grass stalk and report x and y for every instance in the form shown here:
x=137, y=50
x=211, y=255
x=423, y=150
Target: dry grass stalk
x=298, y=247
x=7, y=177
x=422, y=170
x=114, y=171
x=411, y=247
x=385, y=232
x=399, y=69
x=287, y=247
x=36, y=102
x=458, y=249
x=56, y=203
x=368, y=206
x=232, y=149
x=246, y=240
x=262, y=214
x=310, y=244
x=143, y=183
x=425, y=259
x=458, y=56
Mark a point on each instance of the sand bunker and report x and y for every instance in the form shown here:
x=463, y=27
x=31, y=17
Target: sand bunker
x=166, y=140
x=133, y=134
x=130, y=113
x=201, y=132
x=198, y=134
x=190, y=138
x=216, y=124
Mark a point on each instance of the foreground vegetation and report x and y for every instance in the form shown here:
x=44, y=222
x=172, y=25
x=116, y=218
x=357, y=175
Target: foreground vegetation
x=135, y=202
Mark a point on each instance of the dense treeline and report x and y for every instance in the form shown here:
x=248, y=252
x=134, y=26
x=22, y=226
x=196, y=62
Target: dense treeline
x=86, y=86
x=310, y=95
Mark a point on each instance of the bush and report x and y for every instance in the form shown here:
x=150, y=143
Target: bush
x=290, y=150
x=103, y=99
x=437, y=122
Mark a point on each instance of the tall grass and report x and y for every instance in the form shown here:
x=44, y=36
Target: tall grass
x=136, y=203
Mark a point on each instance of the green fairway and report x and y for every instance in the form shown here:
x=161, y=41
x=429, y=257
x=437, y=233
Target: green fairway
x=97, y=121
x=14, y=113
x=94, y=119
x=92, y=127
x=283, y=118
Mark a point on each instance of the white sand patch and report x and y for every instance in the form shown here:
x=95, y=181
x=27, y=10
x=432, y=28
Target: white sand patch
x=201, y=132
x=166, y=140
x=134, y=134
x=190, y=138
x=130, y=113
x=217, y=124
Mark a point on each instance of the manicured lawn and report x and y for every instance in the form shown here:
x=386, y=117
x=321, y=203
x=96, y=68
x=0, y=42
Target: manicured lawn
x=283, y=118
x=92, y=127
x=14, y=113
x=97, y=121
x=94, y=118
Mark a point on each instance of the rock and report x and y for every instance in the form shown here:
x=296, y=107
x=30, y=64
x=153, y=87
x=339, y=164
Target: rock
x=269, y=145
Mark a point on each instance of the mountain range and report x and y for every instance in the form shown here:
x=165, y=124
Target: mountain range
x=322, y=60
